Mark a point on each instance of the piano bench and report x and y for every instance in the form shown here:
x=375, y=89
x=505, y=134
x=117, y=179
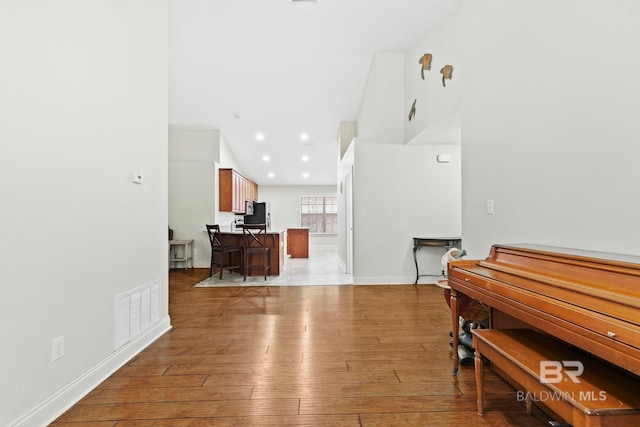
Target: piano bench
x=574, y=385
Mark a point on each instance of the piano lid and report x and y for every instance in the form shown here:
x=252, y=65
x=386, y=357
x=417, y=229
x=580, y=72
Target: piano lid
x=572, y=252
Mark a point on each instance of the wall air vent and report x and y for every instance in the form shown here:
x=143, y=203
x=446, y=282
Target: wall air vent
x=136, y=311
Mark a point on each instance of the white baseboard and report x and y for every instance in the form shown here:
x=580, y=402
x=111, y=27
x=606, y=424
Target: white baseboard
x=50, y=409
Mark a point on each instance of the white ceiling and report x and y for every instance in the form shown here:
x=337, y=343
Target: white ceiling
x=284, y=68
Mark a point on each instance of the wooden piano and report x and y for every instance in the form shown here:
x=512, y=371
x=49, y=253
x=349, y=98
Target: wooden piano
x=589, y=301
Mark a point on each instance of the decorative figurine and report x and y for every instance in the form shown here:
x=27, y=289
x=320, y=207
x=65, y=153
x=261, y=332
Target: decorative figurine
x=412, y=112
x=425, y=60
x=446, y=73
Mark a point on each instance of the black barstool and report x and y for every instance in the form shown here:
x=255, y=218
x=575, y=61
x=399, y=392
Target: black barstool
x=218, y=247
x=255, y=236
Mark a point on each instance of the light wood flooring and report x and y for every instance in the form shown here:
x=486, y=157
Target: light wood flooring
x=299, y=356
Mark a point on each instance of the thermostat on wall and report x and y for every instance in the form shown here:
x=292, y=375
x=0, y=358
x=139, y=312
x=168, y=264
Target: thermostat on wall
x=138, y=178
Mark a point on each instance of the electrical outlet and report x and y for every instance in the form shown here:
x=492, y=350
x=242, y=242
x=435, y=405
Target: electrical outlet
x=195, y=251
x=57, y=348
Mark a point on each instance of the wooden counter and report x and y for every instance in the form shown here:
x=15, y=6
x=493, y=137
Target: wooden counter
x=275, y=240
x=298, y=242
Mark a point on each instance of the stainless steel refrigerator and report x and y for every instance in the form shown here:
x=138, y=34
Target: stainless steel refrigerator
x=261, y=214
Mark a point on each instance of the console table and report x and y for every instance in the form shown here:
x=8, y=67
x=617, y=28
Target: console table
x=185, y=255
x=446, y=243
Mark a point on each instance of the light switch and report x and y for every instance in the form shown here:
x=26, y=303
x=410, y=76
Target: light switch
x=490, y=207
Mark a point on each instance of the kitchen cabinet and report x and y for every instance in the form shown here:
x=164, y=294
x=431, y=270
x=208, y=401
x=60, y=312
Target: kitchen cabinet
x=235, y=189
x=298, y=242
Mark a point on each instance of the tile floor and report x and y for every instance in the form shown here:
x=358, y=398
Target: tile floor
x=321, y=268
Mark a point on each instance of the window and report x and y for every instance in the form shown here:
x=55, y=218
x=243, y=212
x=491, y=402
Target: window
x=319, y=213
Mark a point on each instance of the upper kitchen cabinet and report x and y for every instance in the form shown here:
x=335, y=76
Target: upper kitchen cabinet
x=235, y=190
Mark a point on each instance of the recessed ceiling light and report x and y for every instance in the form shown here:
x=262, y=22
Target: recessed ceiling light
x=259, y=136
x=305, y=158
x=271, y=174
x=305, y=139
x=266, y=158
x=305, y=175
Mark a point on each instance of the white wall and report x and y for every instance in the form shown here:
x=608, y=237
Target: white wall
x=193, y=183
x=227, y=160
x=437, y=118
x=401, y=192
x=382, y=105
x=549, y=116
x=346, y=132
x=83, y=107
x=285, y=209
x=195, y=157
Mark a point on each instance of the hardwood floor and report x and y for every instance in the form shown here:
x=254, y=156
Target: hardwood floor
x=299, y=356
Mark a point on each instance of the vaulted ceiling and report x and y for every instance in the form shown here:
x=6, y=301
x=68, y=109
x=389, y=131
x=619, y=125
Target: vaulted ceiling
x=280, y=69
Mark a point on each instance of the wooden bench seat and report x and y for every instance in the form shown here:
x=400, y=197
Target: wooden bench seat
x=603, y=396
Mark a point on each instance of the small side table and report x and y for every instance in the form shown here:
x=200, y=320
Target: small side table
x=185, y=255
x=420, y=242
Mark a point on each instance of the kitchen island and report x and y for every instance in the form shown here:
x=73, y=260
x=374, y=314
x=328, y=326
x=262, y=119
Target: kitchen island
x=274, y=240
x=298, y=242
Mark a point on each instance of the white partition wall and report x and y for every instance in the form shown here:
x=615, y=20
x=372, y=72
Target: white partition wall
x=193, y=184
x=401, y=192
x=84, y=114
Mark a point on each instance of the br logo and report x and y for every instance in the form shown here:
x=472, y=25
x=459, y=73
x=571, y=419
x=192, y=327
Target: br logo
x=551, y=371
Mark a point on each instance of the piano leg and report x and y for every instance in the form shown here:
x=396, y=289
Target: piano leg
x=455, y=324
x=479, y=365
